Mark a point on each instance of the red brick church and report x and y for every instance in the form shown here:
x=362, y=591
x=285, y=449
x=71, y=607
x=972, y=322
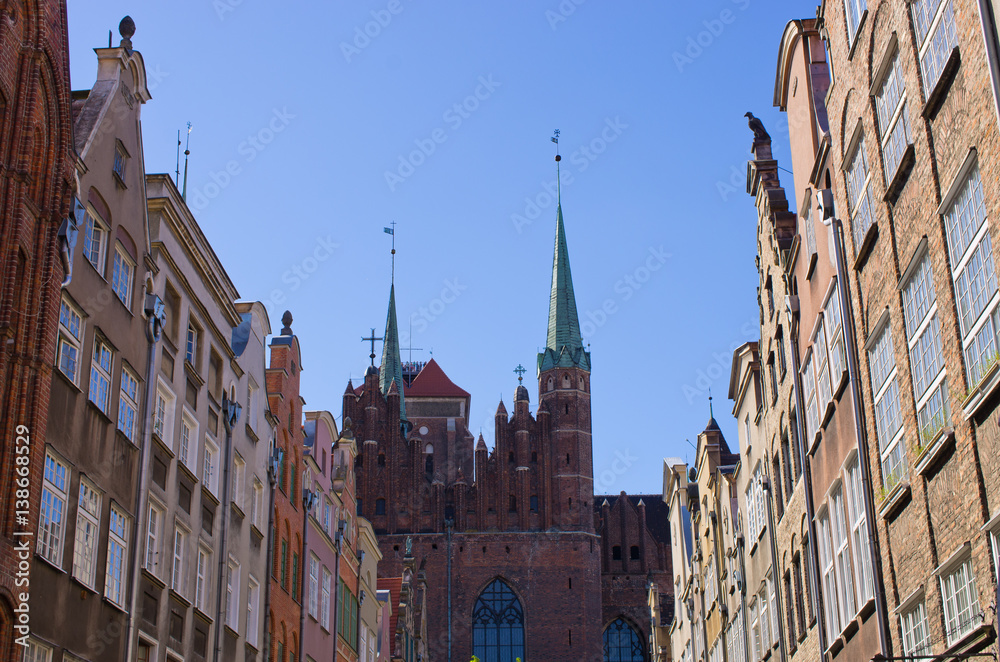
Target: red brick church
x=521, y=558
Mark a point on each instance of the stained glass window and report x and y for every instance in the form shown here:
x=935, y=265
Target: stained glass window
x=622, y=643
x=498, y=624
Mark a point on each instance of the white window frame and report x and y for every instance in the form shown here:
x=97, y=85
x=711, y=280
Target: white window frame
x=128, y=404
x=122, y=275
x=101, y=365
x=210, y=465
x=93, y=225
x=253, y=611
x=313, y=601
x=858, y=524
x=154, y=525
x=178, y=558
x=52, y=518
x=831, y=606
x=961, y=600
x=192, y=342
x=36, y=651
x=116, y=571
x=854, y=11
x=858, y=177
x=233, y=595
x=889, y=428
x=923, y=330
x=71, y=332
x=203, y=574
x=979, y=331
x=756, y=643
x=257, y=502
x=846, y=590
x=88, y=532
x=915, y=630
x=187, y=444
x=325, y=605
x=253, y=403
x=934, y=25
x=810, y=397
x=821, y=355
x=164, y=413
x=833, y=322
x=772, y=605
x=892, y=114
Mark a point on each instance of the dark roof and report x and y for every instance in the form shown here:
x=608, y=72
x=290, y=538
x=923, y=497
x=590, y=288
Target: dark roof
x=657, y=512
x=712, y=424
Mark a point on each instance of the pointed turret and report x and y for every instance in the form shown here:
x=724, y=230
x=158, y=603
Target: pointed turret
x=392, y=366
x=563, y=346
x=501, y=410
x=350, y=387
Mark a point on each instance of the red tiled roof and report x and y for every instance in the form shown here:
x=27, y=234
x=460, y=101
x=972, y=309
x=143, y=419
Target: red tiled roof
x=394, y=585
x=433, y=383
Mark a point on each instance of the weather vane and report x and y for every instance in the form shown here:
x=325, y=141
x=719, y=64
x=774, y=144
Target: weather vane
x=520, y=370
x=392, y=231
x=555, y=139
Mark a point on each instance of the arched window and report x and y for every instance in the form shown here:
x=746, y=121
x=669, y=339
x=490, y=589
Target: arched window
x=550, y=385
x=622, y=643
x=380, y=506
x=566, y=382
x=498, y=624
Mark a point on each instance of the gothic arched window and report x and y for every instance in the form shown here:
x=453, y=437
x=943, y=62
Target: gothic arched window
x=498, y=624
x=622, y=643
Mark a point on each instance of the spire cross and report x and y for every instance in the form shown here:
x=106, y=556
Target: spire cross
x=520, y=370
x=372, y=340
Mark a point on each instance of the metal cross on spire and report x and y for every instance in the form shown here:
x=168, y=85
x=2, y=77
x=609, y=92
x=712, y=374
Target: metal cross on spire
x=520, y=370
x=372, y=340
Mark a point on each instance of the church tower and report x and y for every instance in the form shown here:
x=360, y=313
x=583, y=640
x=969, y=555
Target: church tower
x=564, y=392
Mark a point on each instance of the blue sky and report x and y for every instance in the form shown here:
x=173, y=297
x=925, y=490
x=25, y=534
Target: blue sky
x=317, y=124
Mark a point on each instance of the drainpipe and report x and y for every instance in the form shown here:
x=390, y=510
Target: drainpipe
x=773, y=540
x=448, y=525
x=308, y=500
x=852, y=367
x=338, y=540
x=800, y=424
x=277, y=455
x=740, y=542
x=230, y=415
x=361, y=601
x=154, y=330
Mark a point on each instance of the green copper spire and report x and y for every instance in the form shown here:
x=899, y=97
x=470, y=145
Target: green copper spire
x=392, y=366
x=563, y=346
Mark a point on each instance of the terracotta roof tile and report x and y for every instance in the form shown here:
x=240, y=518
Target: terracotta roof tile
x=431, y=382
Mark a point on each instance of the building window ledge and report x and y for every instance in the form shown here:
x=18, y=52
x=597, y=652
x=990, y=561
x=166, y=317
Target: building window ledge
x=207, y=493
x=202, y=615
x=151, y=577
x=866, y=610
x=934, y=450
x=114, y=605
x=871, y=235
x=937, y=95
x=981, y=392
x=899, y=178
x=970, y=641
x=184, y=602
x=894, y=499
x=835, y=647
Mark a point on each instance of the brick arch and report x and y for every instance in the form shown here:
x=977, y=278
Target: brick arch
x=875, y=22
x=630, y=622
x=6, y=628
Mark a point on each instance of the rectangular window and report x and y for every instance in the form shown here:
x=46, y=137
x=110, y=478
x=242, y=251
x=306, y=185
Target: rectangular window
x=923, y=331
x=973, y=271
x=191, y=347
x=203, y=572
x=163, y=415
x=934, y=23
x=834, y=323
x=70, y=338
x=859, y=532
x=755, y=507
x=859, y=194
x=100, y=376
x=853, y=11
x=37, y=652
x=121, y=277
x=325, y=615
x=187, y=439
x=239, y=479
x=888, y=422
x=253, y=404
x=831, y=611
x=114, y=585
x=961, y=603
x=210, y=473
x=812, y=407
x=822, y=360
x=772, y=603
x=253, y=611
x=55, y=485
x=313, y=586
x=177, y=565
x=916, y=634
x=233, y=596
x=893, y=117
x=294, y=579
x=845, y=575
x=284, y=564
x=88, y=523
x=765, y=624
x=256, y=503
x=121, y=158
x=756, y=643
x=95, y=237
x=128, y=404
x=152, y=538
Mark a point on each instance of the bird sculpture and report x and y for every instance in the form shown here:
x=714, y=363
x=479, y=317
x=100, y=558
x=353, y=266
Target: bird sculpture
x=759, y=132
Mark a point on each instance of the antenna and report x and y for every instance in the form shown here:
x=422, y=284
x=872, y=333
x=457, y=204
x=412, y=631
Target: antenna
x=187, y=153
x=177, y=171
x=555, y=139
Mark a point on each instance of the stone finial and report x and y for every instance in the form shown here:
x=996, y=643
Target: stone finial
x=286, y=321
x=126, y=29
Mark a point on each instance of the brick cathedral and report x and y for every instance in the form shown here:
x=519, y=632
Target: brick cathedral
x=519, y=556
